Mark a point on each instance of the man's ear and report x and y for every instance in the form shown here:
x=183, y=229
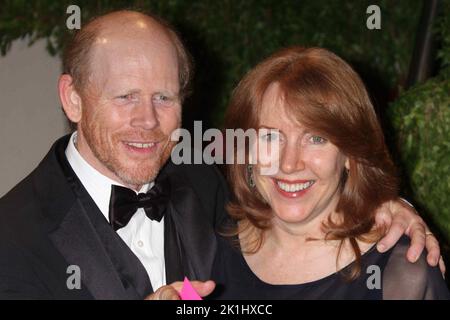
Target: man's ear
x=70, y=99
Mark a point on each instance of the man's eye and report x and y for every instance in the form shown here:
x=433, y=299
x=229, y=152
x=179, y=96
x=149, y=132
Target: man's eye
x=317, y=140
x=129, y=96
x=161, y=98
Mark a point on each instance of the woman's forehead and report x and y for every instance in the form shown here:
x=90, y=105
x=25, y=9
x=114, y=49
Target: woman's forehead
x=276, y=110
x=280, y=118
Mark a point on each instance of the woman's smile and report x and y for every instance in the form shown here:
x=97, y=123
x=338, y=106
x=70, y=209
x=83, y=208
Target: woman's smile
x=292, y=188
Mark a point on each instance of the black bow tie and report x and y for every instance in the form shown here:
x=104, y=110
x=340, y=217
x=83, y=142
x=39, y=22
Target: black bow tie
x=124, y=203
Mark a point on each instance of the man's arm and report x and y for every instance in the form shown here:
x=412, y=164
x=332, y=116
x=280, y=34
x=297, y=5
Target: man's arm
x=17, y=278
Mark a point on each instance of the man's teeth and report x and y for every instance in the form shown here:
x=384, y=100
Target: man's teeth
x=141, y=145
x=294, y=187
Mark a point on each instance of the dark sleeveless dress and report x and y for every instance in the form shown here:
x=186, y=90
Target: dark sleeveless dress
x=383, y=276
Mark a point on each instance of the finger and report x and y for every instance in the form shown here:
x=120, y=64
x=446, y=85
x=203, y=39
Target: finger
x=394, y=233
x=178, y=285
x=442, y=266
x=383, y=221
x=418, y=239
x=203, y=288
x=434, y=252
x=383, y=216
x=164, y=293
x=168, y=293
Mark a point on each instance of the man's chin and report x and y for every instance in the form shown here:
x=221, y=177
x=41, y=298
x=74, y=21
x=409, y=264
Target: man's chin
x=138, y=173
x=138, y=176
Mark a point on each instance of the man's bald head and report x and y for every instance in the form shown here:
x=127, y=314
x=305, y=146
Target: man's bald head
x=125, y=24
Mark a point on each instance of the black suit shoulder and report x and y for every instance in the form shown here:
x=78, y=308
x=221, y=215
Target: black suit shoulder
x=207, y=182
x=23, y=244
x=18, y=210
x=30, y=266
x=202, y=177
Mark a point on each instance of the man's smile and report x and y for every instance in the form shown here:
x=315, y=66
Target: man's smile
x=141, y=147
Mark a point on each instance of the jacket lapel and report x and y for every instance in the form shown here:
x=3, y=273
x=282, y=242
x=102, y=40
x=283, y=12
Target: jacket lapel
x=80, y=245
x=109, y=270
x=196, y=237
x=173, y=250
x=132, y=274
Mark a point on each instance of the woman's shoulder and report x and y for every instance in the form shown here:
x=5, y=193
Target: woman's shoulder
x=405, y=280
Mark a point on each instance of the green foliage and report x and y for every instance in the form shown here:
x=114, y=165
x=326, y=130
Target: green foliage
x=228, y=37
x=444, y=32
x=421, y=119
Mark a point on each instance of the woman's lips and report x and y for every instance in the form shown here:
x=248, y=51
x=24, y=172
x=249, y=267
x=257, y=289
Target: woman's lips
x=292, y=188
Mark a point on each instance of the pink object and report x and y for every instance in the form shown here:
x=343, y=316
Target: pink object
x=188, y=292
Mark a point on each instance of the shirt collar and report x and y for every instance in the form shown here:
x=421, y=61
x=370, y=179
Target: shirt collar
x=97, y=185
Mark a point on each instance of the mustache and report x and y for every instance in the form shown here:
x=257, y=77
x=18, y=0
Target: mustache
x=155, y=135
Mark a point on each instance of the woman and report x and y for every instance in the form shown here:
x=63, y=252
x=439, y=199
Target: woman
x=307, y=231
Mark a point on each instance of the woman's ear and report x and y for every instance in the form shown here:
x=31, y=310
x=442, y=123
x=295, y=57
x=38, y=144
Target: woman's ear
x=347, y=164
x=70, y=99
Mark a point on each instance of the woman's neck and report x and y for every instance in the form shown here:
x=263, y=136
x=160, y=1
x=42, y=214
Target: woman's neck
x=287, y=248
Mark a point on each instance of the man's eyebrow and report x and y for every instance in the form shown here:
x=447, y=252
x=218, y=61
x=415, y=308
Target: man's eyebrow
x=170, y=94
x=127, y=91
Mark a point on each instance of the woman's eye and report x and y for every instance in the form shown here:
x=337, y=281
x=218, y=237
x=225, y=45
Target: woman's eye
x=317, y=140
x=270, y=137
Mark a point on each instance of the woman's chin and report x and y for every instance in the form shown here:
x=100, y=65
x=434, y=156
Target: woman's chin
x=292, y=215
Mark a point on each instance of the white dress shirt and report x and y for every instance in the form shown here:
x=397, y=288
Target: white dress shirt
x=145, y=237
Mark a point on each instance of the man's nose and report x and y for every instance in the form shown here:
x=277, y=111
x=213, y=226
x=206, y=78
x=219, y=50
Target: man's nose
x=291, y=158
x=145, y=116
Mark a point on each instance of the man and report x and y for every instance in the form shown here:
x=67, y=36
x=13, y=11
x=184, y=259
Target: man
x=79, y=212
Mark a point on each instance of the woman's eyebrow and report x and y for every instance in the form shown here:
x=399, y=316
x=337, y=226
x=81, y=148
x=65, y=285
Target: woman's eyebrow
x=267, y=127
x=303, y=130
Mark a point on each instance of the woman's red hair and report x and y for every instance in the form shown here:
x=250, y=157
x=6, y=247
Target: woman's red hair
x=325, y=95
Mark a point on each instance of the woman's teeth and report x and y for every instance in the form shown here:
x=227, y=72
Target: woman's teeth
x=294, y=187
x=141, y=145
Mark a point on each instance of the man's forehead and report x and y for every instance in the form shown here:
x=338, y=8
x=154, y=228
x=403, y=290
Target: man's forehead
x=128, y=28
x=132, y=49
x=131, y=65
x=123, y=20
x=133, y=34
x=132, y=46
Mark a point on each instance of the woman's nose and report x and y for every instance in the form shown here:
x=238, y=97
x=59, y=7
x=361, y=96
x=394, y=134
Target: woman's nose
x=291, y=159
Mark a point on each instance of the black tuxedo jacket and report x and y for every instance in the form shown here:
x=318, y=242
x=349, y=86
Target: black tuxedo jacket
x=49, y=222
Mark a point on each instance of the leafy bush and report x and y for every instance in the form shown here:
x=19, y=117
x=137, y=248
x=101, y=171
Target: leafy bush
x=421, y=120
x=228, y=37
